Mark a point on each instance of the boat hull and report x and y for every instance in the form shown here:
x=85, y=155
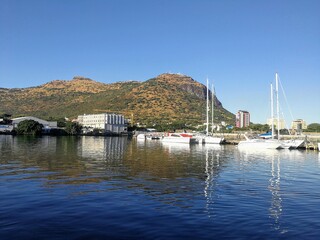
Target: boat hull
x=292, y=144
x=260, y=144
x=180, y=138
x=212, y=140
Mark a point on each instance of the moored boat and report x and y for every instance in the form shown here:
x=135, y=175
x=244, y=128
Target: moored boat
x=141, y=136
x=180, y=138
x=210, y=138
x=292, y=144
x=255, y=143
x=213, y=140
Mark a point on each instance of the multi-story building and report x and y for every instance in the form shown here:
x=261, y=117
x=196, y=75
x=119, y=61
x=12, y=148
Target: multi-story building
x=282, y=124
x=299, y=124
x=242, y=119
x=106, y=122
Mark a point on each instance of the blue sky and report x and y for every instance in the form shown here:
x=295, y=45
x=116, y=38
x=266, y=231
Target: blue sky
x=238, y=44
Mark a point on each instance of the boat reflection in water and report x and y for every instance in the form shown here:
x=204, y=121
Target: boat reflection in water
x=212, y=169
x=176, y=147
x=115, y=188
x=274, y=187
x=272, y=157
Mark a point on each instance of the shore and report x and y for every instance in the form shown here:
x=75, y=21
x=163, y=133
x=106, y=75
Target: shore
x=311, y=139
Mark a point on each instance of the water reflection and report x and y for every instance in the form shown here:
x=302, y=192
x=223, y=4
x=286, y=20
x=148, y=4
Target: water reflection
x=212, y=172
x=249, y=154
x=176, y=147
x=266, y=156
x=63, y=160
x=275, y=209
x=125, y=183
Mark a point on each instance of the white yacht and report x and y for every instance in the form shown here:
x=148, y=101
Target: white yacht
x=292, y=144
x=213, y=140
x=179, y=138
x=255, y=143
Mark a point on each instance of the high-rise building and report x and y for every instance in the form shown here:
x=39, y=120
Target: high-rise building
x=242, y=119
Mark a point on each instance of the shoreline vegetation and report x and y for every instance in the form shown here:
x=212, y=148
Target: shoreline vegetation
x=232, y=136
x=312, y=138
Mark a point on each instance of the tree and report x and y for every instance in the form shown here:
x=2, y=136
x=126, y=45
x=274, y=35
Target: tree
x=73, y=128
x=29, y=127
x=61, y=122
x=259, y=127
x=314, y=127
x=5, y=119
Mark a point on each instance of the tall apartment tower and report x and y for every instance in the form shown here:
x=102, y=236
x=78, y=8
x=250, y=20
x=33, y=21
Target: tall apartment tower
x=242, y=119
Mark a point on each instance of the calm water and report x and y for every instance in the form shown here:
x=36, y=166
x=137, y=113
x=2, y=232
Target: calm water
x=117, y=188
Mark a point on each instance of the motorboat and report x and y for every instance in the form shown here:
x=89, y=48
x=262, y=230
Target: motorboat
x=292, y=144
x=256, y=143
x=141, y=137
x=213, y=140
x=180, y=138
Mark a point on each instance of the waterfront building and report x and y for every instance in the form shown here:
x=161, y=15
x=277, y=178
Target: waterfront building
x=47, y=125
x=242, y=119
x=299, y=124
x=282, y=124
x=106, y=122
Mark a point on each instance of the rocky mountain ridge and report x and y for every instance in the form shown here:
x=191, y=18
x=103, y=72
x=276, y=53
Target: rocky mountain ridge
x=164, y=99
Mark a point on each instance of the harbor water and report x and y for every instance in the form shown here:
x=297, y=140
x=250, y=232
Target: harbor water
x=119, y=188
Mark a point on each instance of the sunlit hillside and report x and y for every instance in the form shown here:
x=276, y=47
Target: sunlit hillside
x=164, y=99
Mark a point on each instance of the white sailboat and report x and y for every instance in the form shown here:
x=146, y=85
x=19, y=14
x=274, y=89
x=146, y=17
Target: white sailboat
x=210, y=138
x=263, y=143
x=292, y=143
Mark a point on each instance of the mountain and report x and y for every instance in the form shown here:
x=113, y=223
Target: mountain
x=163, y=99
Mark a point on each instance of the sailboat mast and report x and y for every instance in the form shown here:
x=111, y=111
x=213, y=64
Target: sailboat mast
x=212, y=107
x=272, y=116
x=278, y=109
x=207, y=108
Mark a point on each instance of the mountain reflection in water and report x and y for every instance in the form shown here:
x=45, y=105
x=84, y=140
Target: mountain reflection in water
x=116, y=188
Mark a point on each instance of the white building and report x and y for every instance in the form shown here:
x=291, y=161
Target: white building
x=242, y=119
x=107, y=122
x=299, y=124
x=275, y=123
x=46, y=124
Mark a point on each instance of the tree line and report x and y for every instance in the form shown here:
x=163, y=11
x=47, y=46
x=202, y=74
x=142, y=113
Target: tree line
x=31, y=127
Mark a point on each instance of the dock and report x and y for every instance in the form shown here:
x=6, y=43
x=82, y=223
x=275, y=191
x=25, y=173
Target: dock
x=311, y=140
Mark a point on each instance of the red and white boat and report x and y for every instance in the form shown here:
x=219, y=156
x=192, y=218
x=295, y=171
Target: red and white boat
x=180, y=138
